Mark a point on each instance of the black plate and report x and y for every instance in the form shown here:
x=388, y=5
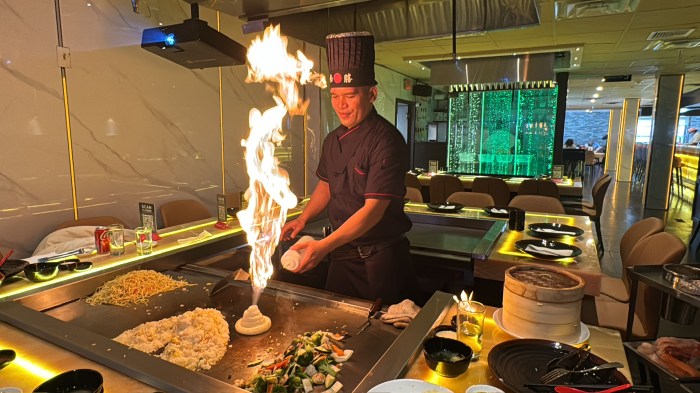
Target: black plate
x=12, y=267
x=553, y=226
x=517, y=362
x=488, y=210
x=522, y=244
x=446, y=207
x=75, y=381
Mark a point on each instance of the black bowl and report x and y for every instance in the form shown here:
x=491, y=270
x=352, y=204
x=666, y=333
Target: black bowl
x=449, y=358
x=40, y=272
x=75, y=381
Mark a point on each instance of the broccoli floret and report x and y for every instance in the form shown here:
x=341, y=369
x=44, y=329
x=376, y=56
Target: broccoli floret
x=279, y=389
x=295, y=383
x=305, y=358
x=325, y=367
x=316, y=338
x=259, y=385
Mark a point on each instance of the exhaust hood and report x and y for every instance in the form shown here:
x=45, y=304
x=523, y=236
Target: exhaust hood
x=193, y=44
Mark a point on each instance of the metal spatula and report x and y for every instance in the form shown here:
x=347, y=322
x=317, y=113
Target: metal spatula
x=373, y=310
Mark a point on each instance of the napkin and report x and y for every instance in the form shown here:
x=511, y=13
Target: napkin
x=193, y=239
x=401, y=314
x=549, y=230
x=447, y=207
x=499, y=211
x=549, y=251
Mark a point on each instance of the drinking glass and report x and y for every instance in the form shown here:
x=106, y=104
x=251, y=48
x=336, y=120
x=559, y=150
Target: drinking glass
x=144, y=240
x=116, y=239
x=470, y=325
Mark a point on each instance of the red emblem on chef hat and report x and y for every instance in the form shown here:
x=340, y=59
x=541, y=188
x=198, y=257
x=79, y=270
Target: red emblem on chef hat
x=337, y=78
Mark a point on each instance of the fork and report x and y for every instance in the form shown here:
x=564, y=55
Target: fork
x=558, y=362
x=560, y=372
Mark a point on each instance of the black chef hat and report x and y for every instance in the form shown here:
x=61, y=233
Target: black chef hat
x=351, y=59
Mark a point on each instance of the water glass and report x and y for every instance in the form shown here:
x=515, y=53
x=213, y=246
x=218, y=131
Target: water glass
x=116, y=239
x=144, y=240
x=470, y=325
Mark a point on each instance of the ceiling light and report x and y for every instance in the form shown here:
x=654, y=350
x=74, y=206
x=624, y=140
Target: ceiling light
x=422, y=68
x=602, y=79
x=409, y=62
x=592, y=99
x=596, y=95
x=575, y=58
x=599, y=88
x=578, y=49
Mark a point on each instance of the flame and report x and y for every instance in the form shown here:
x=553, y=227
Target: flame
x=268, y=194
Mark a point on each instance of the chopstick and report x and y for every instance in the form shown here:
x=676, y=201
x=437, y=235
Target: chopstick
x=540, y=387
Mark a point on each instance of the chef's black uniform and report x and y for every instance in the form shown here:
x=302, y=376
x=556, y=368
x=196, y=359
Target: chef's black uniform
x=369, y=161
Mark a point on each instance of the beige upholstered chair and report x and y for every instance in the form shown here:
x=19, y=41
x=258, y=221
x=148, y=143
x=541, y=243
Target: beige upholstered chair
x=414, y=195
x=539, y=187
x=471, y=199
x=183, y=211
x=588, y=204
x=657, y=249
x=618, y=289
x=497, y=188
x=598, y=192
x=442, y=186
x=91, y=221
x=411, y=180
x=538, y=203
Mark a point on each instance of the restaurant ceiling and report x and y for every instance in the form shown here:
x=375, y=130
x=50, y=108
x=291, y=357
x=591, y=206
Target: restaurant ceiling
x=612, y=44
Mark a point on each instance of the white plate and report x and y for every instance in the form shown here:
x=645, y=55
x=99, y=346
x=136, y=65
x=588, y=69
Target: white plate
x=585, y=333
x=408, y=386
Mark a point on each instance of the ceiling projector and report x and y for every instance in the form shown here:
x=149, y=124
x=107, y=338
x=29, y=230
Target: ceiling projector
x=193, y=44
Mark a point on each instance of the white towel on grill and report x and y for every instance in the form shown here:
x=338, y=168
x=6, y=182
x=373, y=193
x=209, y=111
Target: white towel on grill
x=549, y=251
x=549, y=230
x=400, y=315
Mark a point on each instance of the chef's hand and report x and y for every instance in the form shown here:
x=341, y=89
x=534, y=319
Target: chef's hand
x=291, y=229
x=316, y=250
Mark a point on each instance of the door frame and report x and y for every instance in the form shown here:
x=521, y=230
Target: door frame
x=411, y=124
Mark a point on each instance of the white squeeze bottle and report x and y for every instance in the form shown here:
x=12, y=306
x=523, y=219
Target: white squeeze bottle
x=292, y=258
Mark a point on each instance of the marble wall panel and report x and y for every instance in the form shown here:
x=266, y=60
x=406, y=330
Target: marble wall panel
x=35, y=188
x=144, y=128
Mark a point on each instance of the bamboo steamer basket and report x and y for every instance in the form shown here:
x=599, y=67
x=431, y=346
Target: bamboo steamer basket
x=542, y=302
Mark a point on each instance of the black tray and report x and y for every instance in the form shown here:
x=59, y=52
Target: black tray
x=488, y=210
x=524, y=361
x=12, y=267
x=446, y=207
x=634, y=345
x=554, y=226
x=522, y=245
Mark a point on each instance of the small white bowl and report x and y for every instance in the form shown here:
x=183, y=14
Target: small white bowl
x=484, y=389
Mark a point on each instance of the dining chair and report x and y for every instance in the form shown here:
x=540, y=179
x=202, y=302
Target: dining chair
x=497, y=188
x=538, y=203
x=471, y=199
x=411, y=180
x=91, y=221
x=588, y=163
x=442, y=186
x=577, y=205
x=539, y=187
x=414, y=195
x=618, y=289
x=594, y=212
x=183, y=211
x=657, y=249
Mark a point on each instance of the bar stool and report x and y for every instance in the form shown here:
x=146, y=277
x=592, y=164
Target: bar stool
x=678, y=174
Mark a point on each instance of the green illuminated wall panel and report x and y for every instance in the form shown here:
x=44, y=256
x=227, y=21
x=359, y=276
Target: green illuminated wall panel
x=505, y=132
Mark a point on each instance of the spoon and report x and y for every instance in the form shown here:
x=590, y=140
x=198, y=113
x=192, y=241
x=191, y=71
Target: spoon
x=6, y=357
x=568, y=389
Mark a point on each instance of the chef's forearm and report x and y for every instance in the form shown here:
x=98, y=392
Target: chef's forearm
x=318, y=202
x=358, y=224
